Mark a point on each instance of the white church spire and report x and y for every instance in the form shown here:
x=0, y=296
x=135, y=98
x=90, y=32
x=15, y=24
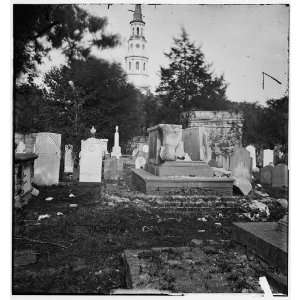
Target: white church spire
x=137, y=59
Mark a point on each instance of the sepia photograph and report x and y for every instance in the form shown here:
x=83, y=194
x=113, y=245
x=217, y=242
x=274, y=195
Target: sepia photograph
x=150, y=149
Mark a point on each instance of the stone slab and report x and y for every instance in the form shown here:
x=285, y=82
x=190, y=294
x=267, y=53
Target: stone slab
x=175, y=269
x=149, y=183
x=113, y=168
x=181, y=168
x=266, y=240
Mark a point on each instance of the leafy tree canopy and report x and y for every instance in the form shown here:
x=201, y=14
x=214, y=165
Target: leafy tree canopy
x=38, y=28
x=93, y=93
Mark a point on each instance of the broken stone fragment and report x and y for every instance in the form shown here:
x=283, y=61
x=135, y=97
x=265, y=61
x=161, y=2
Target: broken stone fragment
x=243, y=184
x=196, y=242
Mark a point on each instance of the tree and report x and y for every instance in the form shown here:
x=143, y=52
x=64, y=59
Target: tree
x=99, y=96
x=188, y=83
x=38, y=28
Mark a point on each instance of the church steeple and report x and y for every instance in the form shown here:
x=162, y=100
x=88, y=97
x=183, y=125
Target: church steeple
x=137, y=59
x=137, y=15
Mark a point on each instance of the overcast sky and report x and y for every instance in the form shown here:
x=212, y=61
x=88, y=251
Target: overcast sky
x=241, y=41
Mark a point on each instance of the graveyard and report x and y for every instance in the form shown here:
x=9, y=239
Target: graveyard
x=105, y=234
x=122, y=189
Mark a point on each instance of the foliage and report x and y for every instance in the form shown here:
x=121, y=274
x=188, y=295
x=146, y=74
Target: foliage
x=265, y=126
x=40, y=28
x=100, y=97
x=224, y=142
x=188, y=83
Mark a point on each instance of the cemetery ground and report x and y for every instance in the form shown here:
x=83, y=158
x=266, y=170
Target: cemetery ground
x=62, y=248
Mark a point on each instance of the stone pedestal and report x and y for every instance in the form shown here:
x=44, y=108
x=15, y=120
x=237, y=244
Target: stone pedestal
x=181, y=168
x=169, y=168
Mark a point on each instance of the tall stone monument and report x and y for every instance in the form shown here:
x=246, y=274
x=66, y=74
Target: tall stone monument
x=116, y=151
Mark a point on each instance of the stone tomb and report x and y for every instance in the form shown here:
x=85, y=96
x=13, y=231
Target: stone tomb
x=267, y=239
x=90, y=160
x=169, y=168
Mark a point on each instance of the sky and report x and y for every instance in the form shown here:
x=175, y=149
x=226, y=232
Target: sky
x=241, y=42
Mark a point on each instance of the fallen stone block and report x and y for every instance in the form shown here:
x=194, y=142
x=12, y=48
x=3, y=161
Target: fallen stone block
x=243, y=185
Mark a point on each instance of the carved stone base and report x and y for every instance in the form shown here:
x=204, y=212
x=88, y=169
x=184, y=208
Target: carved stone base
x=151, y=184
x=181, y=168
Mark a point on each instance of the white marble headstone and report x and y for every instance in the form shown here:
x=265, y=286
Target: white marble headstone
x=46, y=166
x=69, y=163
x=251, y=150
x=90, y=160
x=268, y=157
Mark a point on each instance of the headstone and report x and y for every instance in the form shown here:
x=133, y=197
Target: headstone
x=280, y=176
x=195, y=141
x=268, y=157
x=21, y=147
x=69, y=162
x=140, y=162
x=266, y=174
x=113, y=168
x=240, y=165
x=90, y=160
x=104, y=146
x=252, y=152
x=46, y=166
x=116, y=151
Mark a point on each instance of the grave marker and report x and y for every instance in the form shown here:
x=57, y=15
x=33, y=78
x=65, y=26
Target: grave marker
x=46, y=166
x=266, y=175
x=251, y=149
x=69, y=162
x=90, y=160
x=268, y=157
x=280, y=176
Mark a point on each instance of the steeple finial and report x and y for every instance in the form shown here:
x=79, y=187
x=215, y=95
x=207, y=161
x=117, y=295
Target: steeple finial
x=137, y=15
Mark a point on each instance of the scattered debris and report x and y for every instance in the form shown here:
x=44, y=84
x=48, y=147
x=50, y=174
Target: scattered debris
x=35, y=192
x=98, y=272
x=42, y=217
x=49, y=199
x=147, y=228
x=73, y=205
x=255, y=204
x=202, y=219
x=196, y=242
x=262, y=194
x=283, y=203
